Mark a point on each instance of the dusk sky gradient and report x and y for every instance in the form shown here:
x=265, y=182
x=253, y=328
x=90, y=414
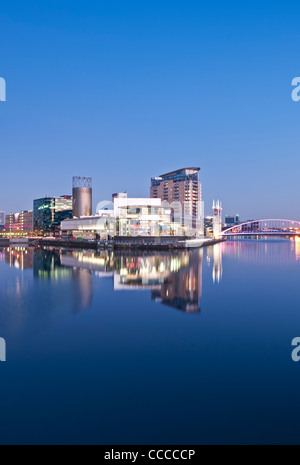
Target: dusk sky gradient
x=125, y=90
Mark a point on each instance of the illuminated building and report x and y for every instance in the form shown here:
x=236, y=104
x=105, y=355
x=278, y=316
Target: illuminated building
x=19, y=223
x=91, y=227
x=145, y=220
x=208, y=226
x=121, y=200
x=124, y=217
x=49, y=212
x=181, y=189
x=217, y=218
x=142, y=216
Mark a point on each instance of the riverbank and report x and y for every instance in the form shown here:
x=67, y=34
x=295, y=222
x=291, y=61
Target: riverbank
x=141, y=242
x=118, y=243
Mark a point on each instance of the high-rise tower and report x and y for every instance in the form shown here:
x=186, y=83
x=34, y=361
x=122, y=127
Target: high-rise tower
x=181, y=187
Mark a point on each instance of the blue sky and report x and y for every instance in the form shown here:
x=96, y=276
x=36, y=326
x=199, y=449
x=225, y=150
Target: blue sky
x=126, y=90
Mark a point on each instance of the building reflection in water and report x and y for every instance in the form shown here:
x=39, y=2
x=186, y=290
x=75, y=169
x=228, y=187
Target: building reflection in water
x=217, y=265
x=83, y=288
x=214, y=258
x=19, y=257
x=297, y=248
x=182, y=289
x=46, y=265
x=174, y=279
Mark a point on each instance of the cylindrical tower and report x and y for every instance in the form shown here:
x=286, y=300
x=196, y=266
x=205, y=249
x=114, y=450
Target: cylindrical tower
x=82, y=196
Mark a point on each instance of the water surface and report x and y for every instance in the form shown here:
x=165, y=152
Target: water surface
x=165, y=348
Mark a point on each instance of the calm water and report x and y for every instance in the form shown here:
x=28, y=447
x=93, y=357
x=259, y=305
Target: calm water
x=151, y=348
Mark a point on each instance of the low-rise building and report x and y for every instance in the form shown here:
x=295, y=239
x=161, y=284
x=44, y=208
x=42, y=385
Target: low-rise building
x=145, y=220
x=124, y=216
x=19, y=223
x=89, y=227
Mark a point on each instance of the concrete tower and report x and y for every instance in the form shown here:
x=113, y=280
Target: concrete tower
x=82, y=196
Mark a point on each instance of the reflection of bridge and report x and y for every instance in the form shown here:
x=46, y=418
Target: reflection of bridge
x=264, y=228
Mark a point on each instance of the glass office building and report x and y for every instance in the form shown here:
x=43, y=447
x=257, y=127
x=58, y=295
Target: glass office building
x=49, y=212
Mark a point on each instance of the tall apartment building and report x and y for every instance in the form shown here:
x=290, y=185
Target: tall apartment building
x=19, y=223
x=49, y=212
x=182, y=188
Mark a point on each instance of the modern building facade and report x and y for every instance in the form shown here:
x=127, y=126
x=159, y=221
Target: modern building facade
x=91, y=227
x=82, y=196
x=49, y=212
x=145, y=220
x=181, y=189
x=124, y=217
x=19, y=223
x=121, y=200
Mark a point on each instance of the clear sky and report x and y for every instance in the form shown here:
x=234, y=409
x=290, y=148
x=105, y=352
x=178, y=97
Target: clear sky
x=125, y=90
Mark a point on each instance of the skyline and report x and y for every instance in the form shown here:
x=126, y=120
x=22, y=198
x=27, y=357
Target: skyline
x=207, y=212
x=124, y=93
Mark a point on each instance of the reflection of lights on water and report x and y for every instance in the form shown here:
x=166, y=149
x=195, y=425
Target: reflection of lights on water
x=56, y=273
x=92, y=259
x=175, y=264
x=297, y=247
x=18, y=287
x=217, y=265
